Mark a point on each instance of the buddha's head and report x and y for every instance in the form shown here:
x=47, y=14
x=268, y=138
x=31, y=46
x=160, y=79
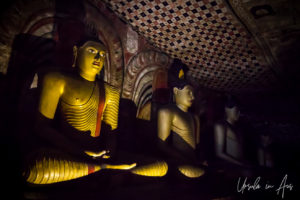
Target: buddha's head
x=232, y=110
x=90, y=58
x=183, y=92
x=184, y=96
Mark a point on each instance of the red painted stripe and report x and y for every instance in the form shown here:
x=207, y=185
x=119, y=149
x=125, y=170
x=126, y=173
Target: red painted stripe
x=91, y=169
x=100, y=110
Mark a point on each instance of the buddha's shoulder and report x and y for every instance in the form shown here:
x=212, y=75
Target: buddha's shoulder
x=220, y=124
x=68, y=77
x=168, y=109
x=111, y=92
x=55, y=78
x=110, y=88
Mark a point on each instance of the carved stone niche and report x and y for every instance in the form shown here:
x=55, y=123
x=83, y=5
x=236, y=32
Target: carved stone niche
x=41, y=19
x=139, y=76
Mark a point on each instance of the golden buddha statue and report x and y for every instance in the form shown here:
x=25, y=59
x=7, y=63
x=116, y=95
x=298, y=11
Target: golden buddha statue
x=178, y=129
x=71, y=109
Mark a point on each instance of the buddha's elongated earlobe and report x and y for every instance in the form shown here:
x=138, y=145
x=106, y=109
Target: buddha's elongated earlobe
x=175, y=92
x=98, y=74
x=75, y=56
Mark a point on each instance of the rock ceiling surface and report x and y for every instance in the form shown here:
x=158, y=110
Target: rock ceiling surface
x=229, y=45
x=208, y=36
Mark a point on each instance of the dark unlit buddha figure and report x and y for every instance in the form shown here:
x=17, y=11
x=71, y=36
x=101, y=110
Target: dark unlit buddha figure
x=178, y=129
x=72, y=108
x=228, y=136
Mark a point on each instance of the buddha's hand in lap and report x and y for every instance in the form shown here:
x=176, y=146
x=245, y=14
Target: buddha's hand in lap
x=102, y=154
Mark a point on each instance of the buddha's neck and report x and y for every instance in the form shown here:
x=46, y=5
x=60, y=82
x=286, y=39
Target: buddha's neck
x=86, y=76
x=182, y=107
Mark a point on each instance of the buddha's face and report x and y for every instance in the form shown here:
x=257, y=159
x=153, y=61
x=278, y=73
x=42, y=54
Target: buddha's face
x=90, y=58
x=233, y=113
x=184, y=96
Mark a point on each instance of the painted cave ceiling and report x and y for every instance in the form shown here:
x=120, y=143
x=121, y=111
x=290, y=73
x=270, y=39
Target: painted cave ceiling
x=228, y=45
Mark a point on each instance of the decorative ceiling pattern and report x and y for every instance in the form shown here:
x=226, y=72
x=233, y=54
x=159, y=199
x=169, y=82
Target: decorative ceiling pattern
x=204, y=34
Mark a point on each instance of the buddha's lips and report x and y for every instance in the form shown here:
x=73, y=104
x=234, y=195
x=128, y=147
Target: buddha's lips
x=96, y=63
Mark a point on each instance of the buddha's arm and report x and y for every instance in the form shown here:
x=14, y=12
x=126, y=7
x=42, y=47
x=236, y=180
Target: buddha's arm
x=112, y=99
x=220, y=146
x=45, y=130
x=52, y=89
x=197, y=129
x=110, y=117
x=164, y=123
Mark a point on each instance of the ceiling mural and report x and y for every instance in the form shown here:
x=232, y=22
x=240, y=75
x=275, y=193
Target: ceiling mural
x=229, y=45
x=275, y=25
x=206, y=35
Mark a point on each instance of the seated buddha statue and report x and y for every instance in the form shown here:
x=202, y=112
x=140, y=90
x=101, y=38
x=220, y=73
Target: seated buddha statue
x=178, y=129
x=76, y=123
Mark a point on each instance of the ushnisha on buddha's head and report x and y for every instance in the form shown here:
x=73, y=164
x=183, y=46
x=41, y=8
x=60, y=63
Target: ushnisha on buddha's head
x=89, y=58
x=183, y=91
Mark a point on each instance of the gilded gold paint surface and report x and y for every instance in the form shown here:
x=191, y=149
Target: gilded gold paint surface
x=112, y=98
x=156, y=169
x=52, y=170
x=83, y=117
x=191, y=171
